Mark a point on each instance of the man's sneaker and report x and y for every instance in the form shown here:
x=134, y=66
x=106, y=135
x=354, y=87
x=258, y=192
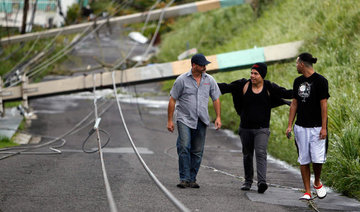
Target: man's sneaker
x=194, y=185
x=320, y=191
x=246, y=187
x=306, y=196
x=183, y=184
x=262, y=187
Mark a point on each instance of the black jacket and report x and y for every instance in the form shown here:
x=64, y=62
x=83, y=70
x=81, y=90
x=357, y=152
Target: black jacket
x=277, y=93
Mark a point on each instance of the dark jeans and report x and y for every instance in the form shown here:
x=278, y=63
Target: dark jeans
x=190, y=147
x=254, y=140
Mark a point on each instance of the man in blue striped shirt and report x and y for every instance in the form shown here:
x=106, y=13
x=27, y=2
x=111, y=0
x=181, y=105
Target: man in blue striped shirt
x=189, y=99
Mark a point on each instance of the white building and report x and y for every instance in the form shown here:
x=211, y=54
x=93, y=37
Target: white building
x=48, y=12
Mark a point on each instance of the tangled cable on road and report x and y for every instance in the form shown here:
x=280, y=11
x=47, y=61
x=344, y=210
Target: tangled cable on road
x=25, y=150
x=92, y=131
x=77, y=127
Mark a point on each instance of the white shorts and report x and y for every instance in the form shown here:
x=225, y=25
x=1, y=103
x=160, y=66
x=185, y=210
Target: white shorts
x=311, y=148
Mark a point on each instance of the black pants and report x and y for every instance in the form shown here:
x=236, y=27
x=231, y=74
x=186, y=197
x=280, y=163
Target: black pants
x=254, y=140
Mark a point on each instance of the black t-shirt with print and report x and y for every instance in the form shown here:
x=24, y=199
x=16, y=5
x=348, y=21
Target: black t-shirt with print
x=308, y=92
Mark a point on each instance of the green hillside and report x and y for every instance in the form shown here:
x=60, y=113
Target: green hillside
x=331, y=31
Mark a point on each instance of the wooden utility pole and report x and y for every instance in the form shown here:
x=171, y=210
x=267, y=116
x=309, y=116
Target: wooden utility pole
x=26, y=8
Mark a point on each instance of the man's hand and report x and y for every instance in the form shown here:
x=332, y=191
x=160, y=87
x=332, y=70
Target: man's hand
x=217, y=107
x=323, y=133
x=217, y=123
x=288, y=132
x=171, y=108
x=170, y=126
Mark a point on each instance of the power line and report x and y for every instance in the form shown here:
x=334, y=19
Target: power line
x=8, y=76
x=66, y=49
x=122, y=60
x=96, y=128
x=62, y=53
x=77, y=127
x=47, y=46
x=167, y=193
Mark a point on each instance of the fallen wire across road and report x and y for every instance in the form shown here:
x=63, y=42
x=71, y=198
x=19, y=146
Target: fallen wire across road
x=92, y=131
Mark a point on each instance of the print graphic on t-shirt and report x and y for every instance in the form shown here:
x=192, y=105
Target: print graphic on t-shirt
x=304, y=90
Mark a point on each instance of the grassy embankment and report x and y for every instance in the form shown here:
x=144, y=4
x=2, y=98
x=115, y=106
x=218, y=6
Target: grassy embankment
x=331, y=31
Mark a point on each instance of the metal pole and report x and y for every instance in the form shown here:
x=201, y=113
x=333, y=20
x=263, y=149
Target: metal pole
x=24, y=94
x=32, y=16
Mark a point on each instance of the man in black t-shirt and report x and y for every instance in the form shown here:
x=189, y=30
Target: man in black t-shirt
x=310, y=129
x=253, y=99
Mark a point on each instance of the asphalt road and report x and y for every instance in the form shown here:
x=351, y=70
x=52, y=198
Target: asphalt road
x=73, y=180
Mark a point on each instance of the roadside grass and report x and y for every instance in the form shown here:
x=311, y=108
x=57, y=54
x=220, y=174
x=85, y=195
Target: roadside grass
x=331, y=31
x=12, y=104
x=6, y=142
x=204, y=31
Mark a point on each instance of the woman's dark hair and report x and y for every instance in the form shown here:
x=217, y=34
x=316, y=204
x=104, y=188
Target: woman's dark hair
x=307, y=58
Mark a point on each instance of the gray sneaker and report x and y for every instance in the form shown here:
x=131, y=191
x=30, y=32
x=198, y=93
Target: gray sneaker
x=194, y=185
x=183, y=184
x=246, y=187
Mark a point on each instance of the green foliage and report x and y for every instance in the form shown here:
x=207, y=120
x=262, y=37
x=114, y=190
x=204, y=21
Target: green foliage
x=109, y=6
x=6, y=142
x=342, y=170
x=22, y=125
x=12, y=104
x=167, y=85
x=24, y=54
x=259, y=6
x=17, y=53
x=100, y=6
x=73, y=14
x=8, y=31
x=201, y=31
x=331, y=31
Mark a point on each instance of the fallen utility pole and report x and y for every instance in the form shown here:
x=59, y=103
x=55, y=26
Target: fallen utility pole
x=229, y=61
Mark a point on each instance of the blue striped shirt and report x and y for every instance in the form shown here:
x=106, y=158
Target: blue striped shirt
x=192, y=100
